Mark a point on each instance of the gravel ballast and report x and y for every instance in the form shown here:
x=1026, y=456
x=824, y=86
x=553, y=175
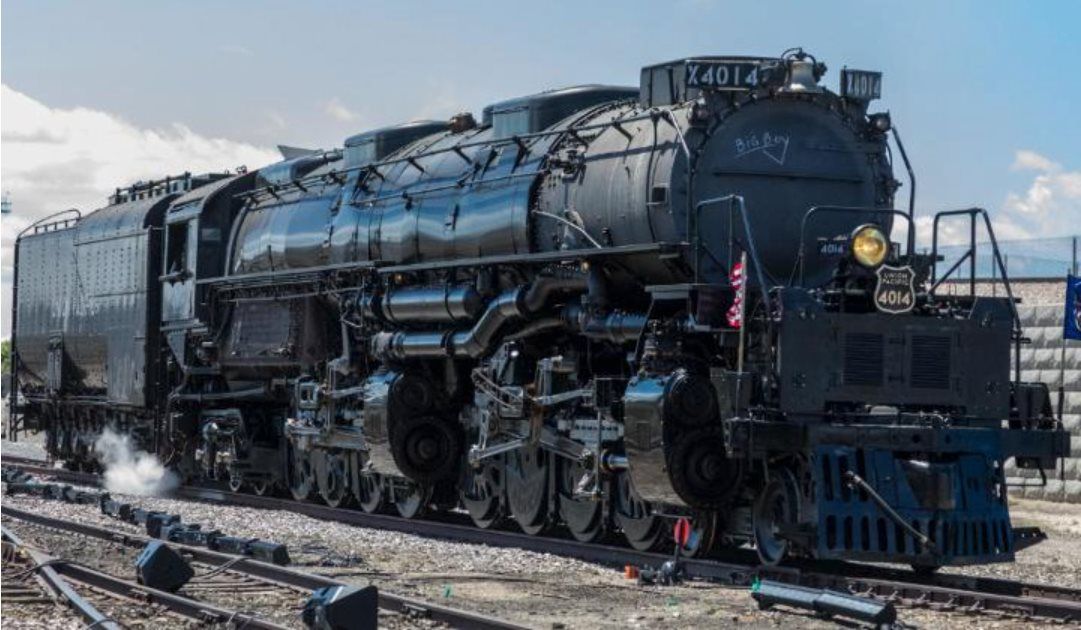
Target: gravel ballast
x=545, y=591
x=541, y=590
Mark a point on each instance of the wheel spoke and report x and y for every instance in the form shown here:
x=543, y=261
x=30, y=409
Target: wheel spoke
x=369, y=492
x=527, y=489
x=333, y=478
x=583, y=516
x=481, y=491
x=411, y=500
x=643, y=530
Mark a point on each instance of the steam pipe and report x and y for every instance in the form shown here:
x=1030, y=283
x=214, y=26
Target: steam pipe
x=474, y=342
x=517, y=304
x=617, y=327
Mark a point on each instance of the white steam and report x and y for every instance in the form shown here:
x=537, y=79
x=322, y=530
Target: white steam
x=131, y=471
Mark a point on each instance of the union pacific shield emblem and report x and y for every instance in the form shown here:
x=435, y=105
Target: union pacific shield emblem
x=896, y=290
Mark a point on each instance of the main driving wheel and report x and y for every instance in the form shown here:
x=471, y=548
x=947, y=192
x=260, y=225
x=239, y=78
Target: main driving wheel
x=481, y=490
x=410, y=499
x=236, y=480
x=583, y=515
x=527, y=488
x=643, y=530
x=369, y=492
x=300, y=477
x=332, y=475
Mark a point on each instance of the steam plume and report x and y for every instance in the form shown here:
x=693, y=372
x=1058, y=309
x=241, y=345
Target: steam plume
x=131, y=471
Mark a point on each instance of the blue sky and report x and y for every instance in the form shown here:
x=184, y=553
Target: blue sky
x=985, y=93
x=969, y=82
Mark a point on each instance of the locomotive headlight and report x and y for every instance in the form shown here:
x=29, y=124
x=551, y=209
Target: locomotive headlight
x=869, y=245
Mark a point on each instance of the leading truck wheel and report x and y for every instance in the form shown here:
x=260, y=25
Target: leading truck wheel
x=777, y=506
x=703, y=536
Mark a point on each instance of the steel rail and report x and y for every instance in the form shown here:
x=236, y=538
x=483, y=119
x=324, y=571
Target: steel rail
x=117, y=587
x=44, y=568
x=276, y=574
x=944, y=591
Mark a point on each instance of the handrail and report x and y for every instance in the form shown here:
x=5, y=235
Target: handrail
x=911, y=174
x=971, y=255
x=801, y=253
x=42, y=221
x=733, y=201
x=491, y=142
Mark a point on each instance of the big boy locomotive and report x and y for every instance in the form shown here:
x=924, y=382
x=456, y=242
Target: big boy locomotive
x=597, y=307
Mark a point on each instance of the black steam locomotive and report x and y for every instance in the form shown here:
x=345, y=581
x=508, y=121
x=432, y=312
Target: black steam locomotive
x=598, y=308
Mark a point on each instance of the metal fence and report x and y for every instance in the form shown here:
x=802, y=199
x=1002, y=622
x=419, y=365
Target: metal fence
x=1023, y=258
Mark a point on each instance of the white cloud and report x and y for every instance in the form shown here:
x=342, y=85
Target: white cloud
x=1026, y=160
x=55, y=159
x=338, y=111
x=1050, y=206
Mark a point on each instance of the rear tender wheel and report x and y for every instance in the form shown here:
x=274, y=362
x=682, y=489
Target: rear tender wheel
x=643, y=530
x=332, y=475
x=481, y=491
x=369, y=492
x=300, y=478
x=777, y=507
x=583, y=515
x=527, y=488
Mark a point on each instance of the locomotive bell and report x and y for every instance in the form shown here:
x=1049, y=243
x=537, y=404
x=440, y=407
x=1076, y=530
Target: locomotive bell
x=801, y=76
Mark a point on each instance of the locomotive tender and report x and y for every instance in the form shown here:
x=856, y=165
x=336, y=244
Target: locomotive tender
x=598, y=308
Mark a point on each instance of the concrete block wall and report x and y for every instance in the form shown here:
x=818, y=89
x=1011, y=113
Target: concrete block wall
x=1043, y=360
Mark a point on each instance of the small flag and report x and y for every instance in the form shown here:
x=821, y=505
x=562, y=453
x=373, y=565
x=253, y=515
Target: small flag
x=1071, y=325
x=735, y=312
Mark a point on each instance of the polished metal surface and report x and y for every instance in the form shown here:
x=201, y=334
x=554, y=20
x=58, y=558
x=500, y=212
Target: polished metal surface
x=644, y=440
x=443, y=304
x=88, y=296
x=377, y=424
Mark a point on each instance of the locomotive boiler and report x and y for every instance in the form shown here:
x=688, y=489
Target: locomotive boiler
x=596, y=308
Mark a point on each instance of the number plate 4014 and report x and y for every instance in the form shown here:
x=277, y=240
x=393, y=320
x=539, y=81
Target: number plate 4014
x=722, y=75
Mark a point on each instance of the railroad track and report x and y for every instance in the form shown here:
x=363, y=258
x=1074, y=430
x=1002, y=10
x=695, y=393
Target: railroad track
x=248, y=576
x=43, y=589
x=948, y=592
x=86, y=590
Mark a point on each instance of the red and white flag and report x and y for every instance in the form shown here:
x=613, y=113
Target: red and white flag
x=738, y=282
